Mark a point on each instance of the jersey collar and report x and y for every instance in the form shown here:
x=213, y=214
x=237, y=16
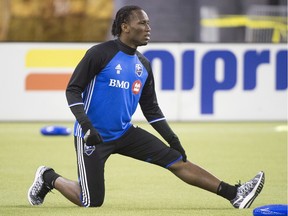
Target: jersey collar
x=124, y=48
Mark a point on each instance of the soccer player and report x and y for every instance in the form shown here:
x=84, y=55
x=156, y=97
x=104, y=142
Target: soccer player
x=103, y=93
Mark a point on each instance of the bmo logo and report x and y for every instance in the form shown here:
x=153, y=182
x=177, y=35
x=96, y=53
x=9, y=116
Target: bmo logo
x=136, y=87
x=119, y=84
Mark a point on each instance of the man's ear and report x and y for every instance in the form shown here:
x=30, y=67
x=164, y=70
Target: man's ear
x=125, y=27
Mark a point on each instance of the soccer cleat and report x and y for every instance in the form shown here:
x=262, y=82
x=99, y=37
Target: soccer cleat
x=247, y=192
x=39, y=188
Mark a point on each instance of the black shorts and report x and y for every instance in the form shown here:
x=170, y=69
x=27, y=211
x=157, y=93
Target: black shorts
x=135, y=143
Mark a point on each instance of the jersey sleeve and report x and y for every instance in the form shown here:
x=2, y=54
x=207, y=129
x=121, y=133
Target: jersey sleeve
x=148, y=101
x=91, y=64
x=85, y=71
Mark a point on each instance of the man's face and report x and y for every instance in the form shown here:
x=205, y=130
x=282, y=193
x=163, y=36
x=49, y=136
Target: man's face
x=138, y=27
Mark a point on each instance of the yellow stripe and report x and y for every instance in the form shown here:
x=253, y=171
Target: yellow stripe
x=238, y=21
x=276, y=36
x=265, y=24
x=224, y=22
x=57, y=58
x=275, y=23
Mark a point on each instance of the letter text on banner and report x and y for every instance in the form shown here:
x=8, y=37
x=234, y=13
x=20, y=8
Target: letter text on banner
x=209, y=84
x=252, y=60
x=168, y=67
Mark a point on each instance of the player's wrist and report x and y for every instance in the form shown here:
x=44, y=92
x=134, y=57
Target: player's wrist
x=92, y=138
x=164, y=130
x=91, y=135
x=87, y=126
x=175, y=144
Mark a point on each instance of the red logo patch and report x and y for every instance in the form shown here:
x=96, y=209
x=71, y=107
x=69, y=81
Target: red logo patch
x=136, y=87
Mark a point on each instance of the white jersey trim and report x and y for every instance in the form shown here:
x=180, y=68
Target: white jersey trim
x=156, y=120
x=75, y=104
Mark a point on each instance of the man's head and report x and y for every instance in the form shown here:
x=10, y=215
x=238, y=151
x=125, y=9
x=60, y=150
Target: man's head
x=131, y=25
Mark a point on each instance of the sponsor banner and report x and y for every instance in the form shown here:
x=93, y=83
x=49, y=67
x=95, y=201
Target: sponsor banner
x=194, y=82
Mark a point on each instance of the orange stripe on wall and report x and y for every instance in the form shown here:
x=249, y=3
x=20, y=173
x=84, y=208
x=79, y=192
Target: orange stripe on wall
x=48, y=82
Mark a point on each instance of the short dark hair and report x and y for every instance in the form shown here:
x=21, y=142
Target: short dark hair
x=122, y=16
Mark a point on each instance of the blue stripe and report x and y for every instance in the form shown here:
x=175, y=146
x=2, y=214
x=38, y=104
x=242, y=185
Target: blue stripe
x=180, y=158
x=89, y=94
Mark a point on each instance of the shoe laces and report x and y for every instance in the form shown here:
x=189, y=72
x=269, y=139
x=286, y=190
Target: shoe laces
x=238, y=183
x=244, y=188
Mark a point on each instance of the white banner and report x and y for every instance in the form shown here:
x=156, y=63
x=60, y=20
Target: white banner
x=201, y=82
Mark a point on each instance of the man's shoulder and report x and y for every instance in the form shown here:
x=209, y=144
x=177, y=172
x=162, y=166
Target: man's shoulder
x=143, y=59
x=103, y=47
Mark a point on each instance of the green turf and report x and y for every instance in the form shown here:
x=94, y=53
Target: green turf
x=231, y=151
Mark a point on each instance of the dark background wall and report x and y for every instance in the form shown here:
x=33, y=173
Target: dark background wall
x=180, y=20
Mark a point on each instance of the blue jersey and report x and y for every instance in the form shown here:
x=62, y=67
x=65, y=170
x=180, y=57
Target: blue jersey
x=109, y=82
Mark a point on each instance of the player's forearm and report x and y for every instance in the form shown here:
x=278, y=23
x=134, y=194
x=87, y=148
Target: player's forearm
x=91, y=135
x=79, y=113
x=74, y=95
x=163, y=129
x=75, y=102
